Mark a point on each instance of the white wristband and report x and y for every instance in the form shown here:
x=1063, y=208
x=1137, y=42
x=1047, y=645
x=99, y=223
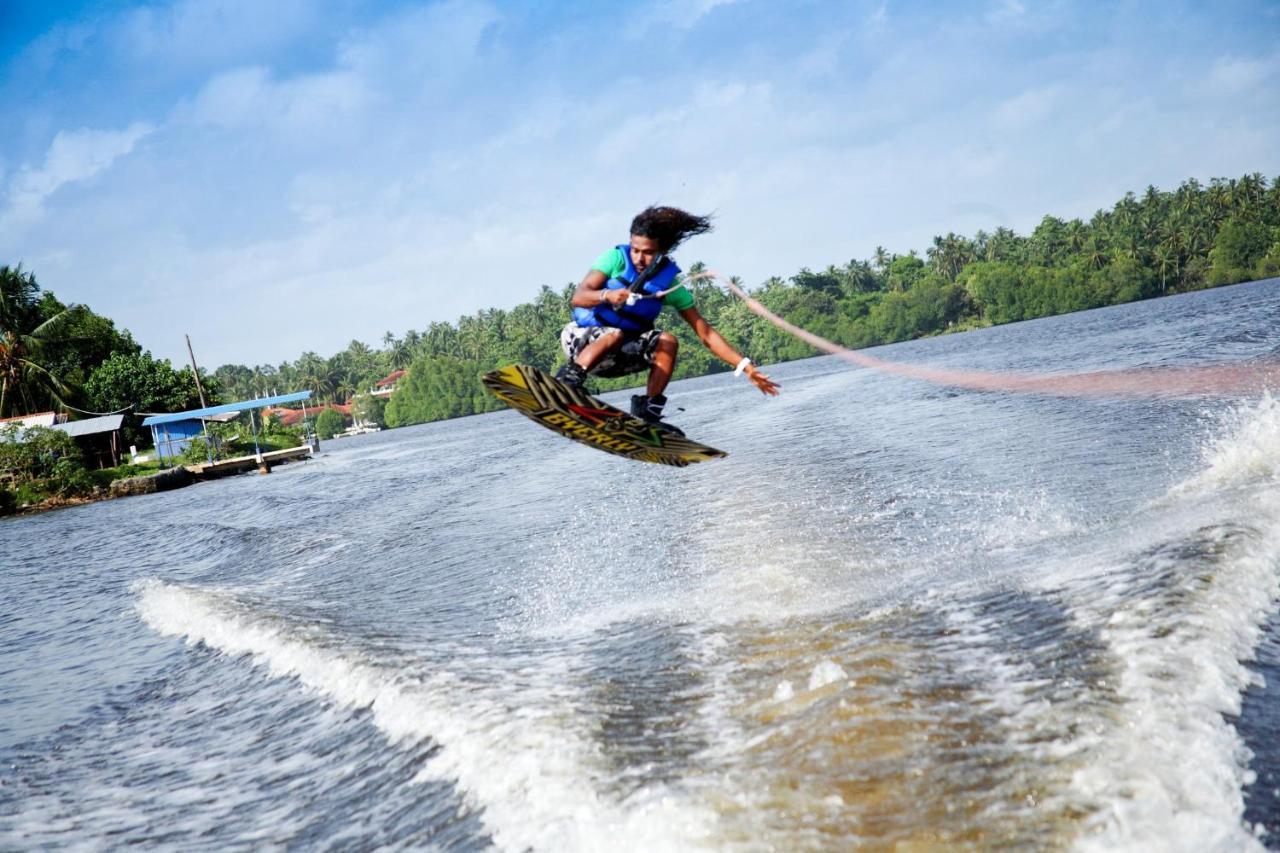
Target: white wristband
x=742, y=365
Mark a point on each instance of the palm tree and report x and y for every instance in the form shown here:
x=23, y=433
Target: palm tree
x=400, y=355
x=1076, y=234
x=1095, y=253
x=1003, y=245
x=24, y=334
x=315, y=373
x=1165, y=257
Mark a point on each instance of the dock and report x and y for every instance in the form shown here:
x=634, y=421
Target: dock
x=264, y=462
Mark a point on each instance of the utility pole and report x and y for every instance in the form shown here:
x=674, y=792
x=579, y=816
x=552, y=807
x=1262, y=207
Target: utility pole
x=208, y=442
x=195, y=371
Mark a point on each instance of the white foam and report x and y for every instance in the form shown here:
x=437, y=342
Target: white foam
x=826, y=672
x=1168, y=772
x=1247, y=450
x=517, y=755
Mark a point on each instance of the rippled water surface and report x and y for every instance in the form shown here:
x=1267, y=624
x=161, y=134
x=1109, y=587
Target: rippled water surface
x=897, y=614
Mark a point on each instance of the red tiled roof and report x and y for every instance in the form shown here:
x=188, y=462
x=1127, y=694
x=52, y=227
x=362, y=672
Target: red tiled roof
x=293, y=417
x=390, y=379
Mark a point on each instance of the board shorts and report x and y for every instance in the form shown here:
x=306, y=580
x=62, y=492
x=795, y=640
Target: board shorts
x=634, y=355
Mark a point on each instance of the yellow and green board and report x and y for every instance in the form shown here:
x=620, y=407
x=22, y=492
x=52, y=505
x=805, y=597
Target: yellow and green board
x=577, y=415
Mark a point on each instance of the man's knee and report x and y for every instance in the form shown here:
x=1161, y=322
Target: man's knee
x=668, y=342
x=606, y=341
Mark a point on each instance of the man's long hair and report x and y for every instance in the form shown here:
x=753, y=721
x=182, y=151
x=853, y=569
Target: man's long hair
x=670, y=226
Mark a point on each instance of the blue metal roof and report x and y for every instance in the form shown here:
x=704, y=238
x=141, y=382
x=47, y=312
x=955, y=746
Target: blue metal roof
x=196, y=414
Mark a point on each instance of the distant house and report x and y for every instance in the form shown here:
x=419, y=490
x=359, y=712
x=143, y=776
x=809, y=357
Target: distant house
x=98, y=438
x=386, y=386
x=46, y=419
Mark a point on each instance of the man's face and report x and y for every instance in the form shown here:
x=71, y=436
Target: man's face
x=643, y=251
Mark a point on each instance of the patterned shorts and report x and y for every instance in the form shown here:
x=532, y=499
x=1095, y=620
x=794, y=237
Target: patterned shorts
x=635, y=354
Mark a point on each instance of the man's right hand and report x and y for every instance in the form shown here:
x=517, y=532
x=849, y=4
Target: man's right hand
x=616, y=297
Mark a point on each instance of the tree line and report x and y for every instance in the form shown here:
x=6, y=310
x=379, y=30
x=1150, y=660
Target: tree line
x=1144, y=246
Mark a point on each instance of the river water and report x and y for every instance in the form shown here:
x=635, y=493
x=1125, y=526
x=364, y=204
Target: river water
x=896, y=614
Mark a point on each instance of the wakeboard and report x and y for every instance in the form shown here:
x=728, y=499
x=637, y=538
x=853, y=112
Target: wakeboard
x=577, y=415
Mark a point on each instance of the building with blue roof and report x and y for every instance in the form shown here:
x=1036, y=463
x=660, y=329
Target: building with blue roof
x=173, y=433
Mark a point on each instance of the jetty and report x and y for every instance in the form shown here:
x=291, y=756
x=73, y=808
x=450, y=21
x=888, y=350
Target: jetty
x=239, y=464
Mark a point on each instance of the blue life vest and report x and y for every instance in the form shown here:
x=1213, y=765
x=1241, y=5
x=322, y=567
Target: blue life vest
x=633, y=318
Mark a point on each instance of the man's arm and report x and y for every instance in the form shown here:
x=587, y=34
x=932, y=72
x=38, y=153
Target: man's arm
x=713, y=341
x=591, y=292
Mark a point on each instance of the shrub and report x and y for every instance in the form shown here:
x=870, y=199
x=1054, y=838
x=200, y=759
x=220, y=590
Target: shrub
x=329, y=423
x=196, y=453
x=70, y=479
x=35, y=456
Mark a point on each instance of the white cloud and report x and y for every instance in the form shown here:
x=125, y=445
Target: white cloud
x=682, y=14
x=73, y=156
x=824, y=58
x=207, y=32
x=423, y=42
x=1027, y=108
x=247, y=98
x=1233, y=76
x=878, y=20
x=1006, y=9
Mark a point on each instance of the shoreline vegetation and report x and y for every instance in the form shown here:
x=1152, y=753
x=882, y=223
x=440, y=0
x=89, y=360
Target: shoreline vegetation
x=59, y=357
x=46, y=470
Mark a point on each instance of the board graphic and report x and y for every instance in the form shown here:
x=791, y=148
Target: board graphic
x=581, y=417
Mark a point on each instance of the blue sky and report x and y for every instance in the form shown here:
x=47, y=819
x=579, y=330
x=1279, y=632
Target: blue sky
x=286, y=176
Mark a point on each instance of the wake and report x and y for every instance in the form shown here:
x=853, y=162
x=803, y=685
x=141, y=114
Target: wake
x=1219, y=380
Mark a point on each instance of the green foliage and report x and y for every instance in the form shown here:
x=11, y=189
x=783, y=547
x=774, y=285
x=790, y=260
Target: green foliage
x=929, y=307
x=329, y=423
x=124, y=471
x=1240, y=245
x=70, y=479
x=36, y=455
x=1268, y=266
x=48, y=349
x=196, y=452
x=368, y=409
x=27, y=384
x=45, y=463
x=279, y=435
x=85, y=340
x=149, y=384
x=904, y=272
x=439, y=387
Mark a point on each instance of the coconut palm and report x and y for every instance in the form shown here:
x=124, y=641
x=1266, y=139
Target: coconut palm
x=24, y=336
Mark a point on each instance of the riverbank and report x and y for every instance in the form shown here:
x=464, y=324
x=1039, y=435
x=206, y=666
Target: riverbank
x=112, y=483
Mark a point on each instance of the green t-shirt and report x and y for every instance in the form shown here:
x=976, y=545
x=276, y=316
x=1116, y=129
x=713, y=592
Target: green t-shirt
x=613, y=264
